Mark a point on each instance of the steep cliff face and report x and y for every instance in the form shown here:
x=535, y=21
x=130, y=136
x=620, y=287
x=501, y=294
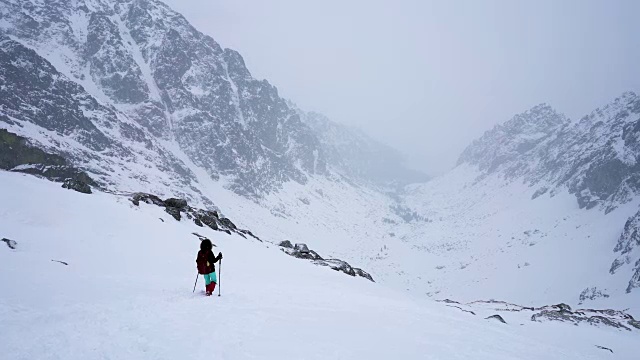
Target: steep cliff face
x=148, y=64
x=56, y=113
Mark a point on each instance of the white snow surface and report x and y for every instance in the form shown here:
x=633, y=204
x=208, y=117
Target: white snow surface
x=126, y=293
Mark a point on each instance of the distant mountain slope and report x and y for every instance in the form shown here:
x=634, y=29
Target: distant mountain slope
x=358, y=156
x=595, y=158
x=546, y=157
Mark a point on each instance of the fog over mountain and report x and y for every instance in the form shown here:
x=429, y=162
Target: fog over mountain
x=427, y=77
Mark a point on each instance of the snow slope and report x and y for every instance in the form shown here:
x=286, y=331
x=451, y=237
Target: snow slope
x=132, y=94
x=125, y=293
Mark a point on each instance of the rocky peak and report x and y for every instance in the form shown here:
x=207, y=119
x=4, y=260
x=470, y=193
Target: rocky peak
x=514, y=141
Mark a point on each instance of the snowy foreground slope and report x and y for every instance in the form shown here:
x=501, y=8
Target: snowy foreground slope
x=126, y=293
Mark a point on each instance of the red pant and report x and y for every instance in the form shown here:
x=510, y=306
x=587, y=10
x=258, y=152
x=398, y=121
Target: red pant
x=210, y=288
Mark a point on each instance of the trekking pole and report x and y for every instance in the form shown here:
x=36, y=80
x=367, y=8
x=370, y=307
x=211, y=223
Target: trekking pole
x=194, y=285
x=219, y=277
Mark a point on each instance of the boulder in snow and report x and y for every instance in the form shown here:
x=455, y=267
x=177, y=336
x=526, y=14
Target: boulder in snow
x=286, y=244
x=497, y=317
x=302, y=248
x=77, y=185
x=147, y=198
x=176, y=203
x=10, y=243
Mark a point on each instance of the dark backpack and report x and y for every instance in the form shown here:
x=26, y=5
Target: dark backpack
x=202, y=263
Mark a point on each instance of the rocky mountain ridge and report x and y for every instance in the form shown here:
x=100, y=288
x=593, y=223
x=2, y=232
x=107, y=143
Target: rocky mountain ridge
x=137, y=70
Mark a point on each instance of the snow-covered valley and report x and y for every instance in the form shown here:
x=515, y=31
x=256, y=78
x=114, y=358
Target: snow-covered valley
x=126, y=293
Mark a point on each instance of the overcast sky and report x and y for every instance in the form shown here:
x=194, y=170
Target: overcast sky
x=427, y=77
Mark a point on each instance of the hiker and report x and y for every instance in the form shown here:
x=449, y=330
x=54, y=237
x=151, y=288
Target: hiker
x=205, y=262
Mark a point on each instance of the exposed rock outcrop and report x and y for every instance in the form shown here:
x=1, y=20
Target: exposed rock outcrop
x=77, y=185
x=628, y=247
x=18, y=155
x=612, y=318
x=591, y=294
x=286, y=244
x=178, y=208
x=559, y=312
x=302, y=251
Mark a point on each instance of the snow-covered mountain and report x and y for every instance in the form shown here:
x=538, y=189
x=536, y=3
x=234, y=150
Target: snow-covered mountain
x=540, y=209
x=597, y=159
x=115, y=83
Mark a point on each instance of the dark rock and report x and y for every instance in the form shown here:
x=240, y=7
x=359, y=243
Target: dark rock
x=251, y=234
x=208, y=218
x=175, y=212
x=198, y=222
x=147, y=198
x=601, y=320
x=591, y=294
x=311, y=255
x=302, y=251
x=628, y=241
x=497, y=317
x=338, y=265
x=604, y=348
x=592, y=317
x=176, y=203
x=61, y=262
x=227, y=223
x=463, y=310
x=286, y=244
x=17, y=155
x=562, y=312
x=302, y=248
x=77, y=185
x=448, y=301
x=10, y=243
x=364, y=274
x=563, y=307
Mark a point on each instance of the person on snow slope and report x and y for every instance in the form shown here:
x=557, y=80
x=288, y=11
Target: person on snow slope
x=206, y=267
